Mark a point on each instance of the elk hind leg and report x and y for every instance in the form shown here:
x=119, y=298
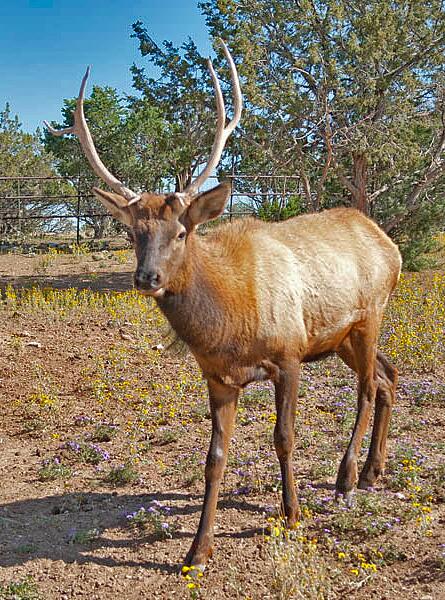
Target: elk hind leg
x=387, y=376
x=359, y=351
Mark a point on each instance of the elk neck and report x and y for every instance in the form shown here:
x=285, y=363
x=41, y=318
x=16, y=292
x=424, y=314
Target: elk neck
x=211, y=301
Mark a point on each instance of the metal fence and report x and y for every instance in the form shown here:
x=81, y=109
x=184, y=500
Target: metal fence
x=49, y=206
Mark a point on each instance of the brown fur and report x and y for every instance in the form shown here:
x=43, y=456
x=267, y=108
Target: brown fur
x=254, y=300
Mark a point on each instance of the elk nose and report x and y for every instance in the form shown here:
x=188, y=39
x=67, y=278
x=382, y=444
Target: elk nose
x=149, y=280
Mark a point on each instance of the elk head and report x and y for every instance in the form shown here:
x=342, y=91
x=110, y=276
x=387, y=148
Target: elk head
x=161, y=224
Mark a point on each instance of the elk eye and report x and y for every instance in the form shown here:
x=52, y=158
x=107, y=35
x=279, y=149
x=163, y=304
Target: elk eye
x=181, y=235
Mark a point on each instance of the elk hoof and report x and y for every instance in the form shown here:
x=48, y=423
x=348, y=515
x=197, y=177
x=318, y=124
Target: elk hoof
x=196, y=560
x=369, y=476
x=347, y=476
x=364, y=484
x=347, y=497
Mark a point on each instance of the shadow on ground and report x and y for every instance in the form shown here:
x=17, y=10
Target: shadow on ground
x=100, y=282
x=45, y=528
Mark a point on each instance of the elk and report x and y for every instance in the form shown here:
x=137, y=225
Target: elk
x=255, y=300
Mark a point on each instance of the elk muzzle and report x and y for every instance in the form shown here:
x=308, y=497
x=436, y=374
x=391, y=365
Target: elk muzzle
x=148, y=282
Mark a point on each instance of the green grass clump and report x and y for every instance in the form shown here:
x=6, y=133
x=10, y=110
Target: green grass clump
x=122, y=475
x=104, y=433
x=52, y=470
x=23, y=590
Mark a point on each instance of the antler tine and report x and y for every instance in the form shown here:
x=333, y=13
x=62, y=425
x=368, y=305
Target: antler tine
x=222, y=132
x=79, y=102
x=236, y=91
x=220, y=107
x=80, y=129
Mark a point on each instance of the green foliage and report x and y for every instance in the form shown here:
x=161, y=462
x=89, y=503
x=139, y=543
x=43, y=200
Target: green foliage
x=104, y=114
x=83, y=536
x=52, y=470
x=183, y=95
x=153, y=519
x=277, y=211
x=417, y=237
x=349, y=97
x=22, y=154
x=104, y=433
x=130, y=142
x=122, y=475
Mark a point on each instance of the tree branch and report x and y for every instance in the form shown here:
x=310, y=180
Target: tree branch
x=391, y=74
x=434, y=170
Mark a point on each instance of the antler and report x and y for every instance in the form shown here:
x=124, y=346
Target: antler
x=222, y=132
x=80, y=128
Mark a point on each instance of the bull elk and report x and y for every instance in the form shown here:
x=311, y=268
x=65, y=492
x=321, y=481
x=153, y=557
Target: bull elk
x=254, y=300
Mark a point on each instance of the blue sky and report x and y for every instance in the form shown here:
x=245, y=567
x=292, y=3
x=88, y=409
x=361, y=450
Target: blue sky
x=45, y=46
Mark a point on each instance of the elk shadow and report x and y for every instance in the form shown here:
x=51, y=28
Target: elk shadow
x=430, y=571
x=37, y=528
x=110, y=281
x=46, y=528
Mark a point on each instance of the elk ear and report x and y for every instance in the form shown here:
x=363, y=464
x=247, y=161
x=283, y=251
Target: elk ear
x=207, y=205
x=116, y=205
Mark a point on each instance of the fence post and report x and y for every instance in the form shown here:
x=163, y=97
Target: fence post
x=231, y=190
x=19, y=207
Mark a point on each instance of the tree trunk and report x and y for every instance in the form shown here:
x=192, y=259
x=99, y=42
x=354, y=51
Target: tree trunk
x=182, y=180
x=357, y=183
x=312, y=200
x=360, y=195
x=101, y=227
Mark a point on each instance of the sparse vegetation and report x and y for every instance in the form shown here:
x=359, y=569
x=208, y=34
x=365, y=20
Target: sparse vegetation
x=135, y=420
x=20, y=590
x=297, y=569
x=53, y=469
x=122, y=475
x=154, y=518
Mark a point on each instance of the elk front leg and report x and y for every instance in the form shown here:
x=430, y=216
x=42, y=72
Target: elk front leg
x=223, y=403
x=286, y=388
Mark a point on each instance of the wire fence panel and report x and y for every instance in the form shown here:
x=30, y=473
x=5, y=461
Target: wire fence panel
x=32, y=207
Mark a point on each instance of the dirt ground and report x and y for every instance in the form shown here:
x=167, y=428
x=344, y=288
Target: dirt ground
x=71, y=535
